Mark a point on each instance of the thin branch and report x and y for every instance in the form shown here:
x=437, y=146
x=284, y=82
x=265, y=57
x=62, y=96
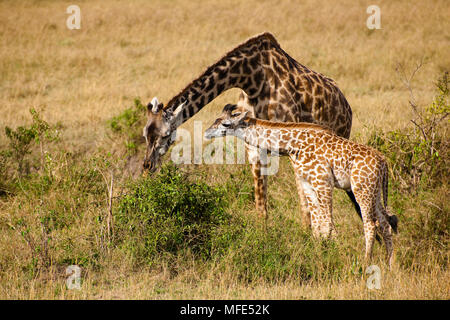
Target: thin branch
x=407, y=82
x=110, y=214
x=421, y=129
x=434, y=205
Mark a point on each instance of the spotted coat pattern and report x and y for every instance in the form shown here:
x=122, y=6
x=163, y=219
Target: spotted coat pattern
x=323, y=160
x=274, y=87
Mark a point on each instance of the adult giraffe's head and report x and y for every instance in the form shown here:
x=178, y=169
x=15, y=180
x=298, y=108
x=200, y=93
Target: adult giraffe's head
x=159, y=132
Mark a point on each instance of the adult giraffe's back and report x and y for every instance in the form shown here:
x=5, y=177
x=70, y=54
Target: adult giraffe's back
x=275, y=87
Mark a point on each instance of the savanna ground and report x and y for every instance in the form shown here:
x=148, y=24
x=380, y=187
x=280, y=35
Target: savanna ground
x=192, y=232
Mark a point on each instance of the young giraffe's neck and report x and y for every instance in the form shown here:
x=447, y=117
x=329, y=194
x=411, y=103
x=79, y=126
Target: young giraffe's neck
x=278, y=137
x=240, y=68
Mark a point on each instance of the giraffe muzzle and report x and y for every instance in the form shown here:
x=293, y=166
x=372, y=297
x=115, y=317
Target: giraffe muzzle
x=214, y=133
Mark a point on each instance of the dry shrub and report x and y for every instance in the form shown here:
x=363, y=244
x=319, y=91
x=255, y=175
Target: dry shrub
x=419, y=154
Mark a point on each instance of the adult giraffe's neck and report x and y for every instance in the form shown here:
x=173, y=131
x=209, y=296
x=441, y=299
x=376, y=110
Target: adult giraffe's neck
x=240, y=68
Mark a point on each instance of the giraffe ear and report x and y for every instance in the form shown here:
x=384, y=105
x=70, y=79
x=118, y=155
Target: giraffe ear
x=179, y=109
x=240, y=117
x=175, y=117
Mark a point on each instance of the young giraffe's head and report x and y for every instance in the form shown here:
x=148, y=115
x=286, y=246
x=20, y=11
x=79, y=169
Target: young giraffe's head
x=159, y=132
x=228, y=123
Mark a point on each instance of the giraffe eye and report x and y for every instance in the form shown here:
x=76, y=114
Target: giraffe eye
x=226, y=124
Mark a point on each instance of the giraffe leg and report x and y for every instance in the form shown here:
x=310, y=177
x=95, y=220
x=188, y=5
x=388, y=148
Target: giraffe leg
x=358, y=209
x=305, y=214
x=368, y=217
x=365, y=188
x=260, y=181
x=325, y=199
x=369, y=234
x=386, y=232
x=319, y=201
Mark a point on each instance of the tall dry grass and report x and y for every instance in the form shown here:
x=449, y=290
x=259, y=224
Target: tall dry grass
x=82, y=78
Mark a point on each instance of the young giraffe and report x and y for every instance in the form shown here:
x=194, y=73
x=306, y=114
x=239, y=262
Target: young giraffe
x=322, y=160
x=275, y=87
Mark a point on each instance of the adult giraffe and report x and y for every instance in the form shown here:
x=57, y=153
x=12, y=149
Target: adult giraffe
x=275, y=87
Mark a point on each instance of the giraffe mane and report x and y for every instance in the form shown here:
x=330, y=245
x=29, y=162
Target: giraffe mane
x=250, y=41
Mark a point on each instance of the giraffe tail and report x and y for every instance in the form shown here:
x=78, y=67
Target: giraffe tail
x=392, y=218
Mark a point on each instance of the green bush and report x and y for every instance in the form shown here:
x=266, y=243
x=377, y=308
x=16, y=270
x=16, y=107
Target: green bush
x=418, y=155
x=168, y=218
x=21, y=143
x=168, y=214
x=128, y=125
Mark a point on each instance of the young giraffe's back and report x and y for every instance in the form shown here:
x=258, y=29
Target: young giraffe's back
x=317, y=147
